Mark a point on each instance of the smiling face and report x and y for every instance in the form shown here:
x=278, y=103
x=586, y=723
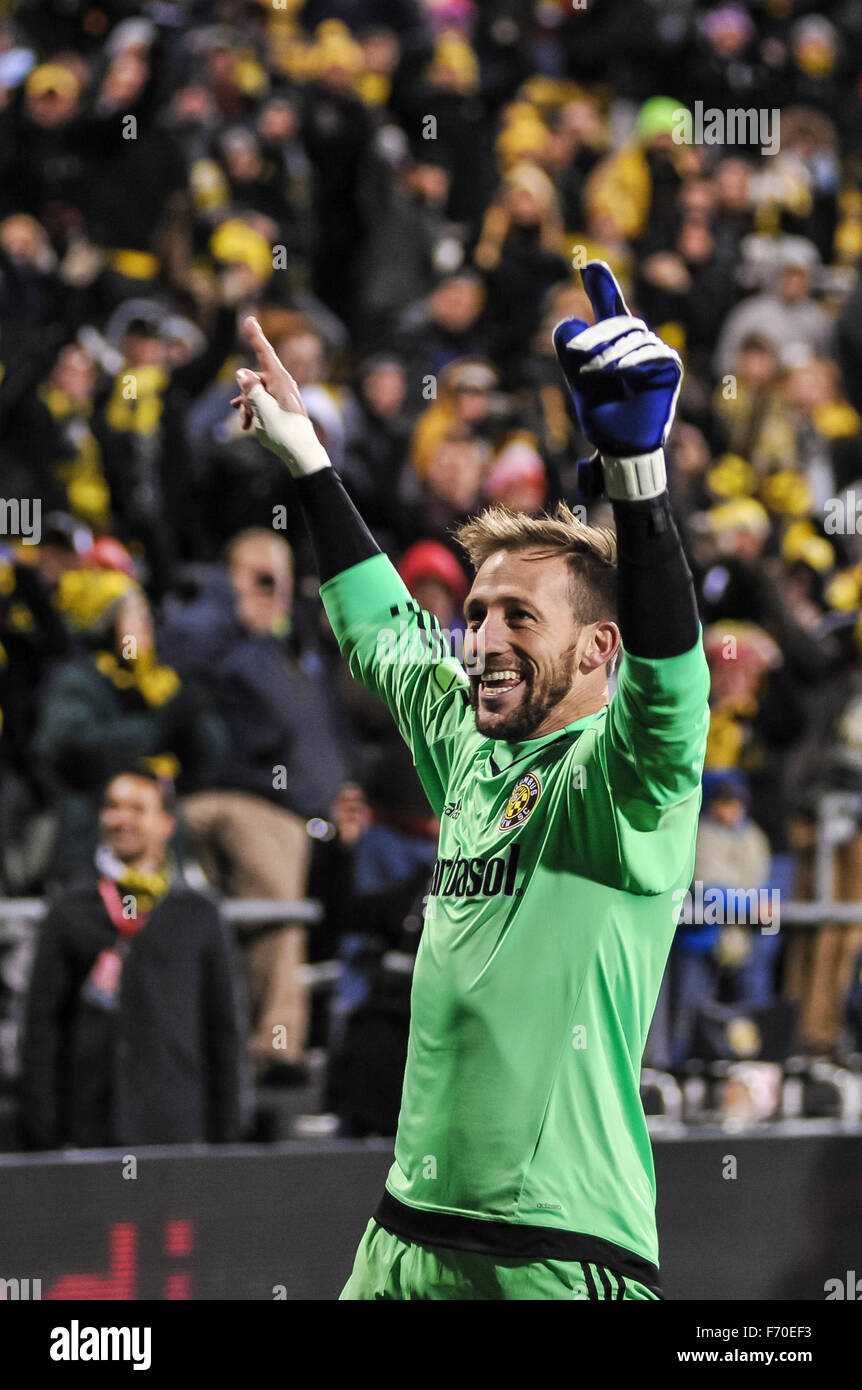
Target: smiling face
x=135, y=825
x=541, y=668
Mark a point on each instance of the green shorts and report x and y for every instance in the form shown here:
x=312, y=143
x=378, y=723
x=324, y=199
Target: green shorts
x=388, y=1267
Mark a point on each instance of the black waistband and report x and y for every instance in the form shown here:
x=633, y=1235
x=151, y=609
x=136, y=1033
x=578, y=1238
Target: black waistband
x=511, y=1240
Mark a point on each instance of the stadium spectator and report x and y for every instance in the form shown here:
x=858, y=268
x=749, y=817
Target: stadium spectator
x=109, y=709
x=520, y=253
x=283, y=765
x=133, y=1029
x=379, y=448
x=517, y=476
x=366, y=877
x=442, y=329
x=731, y=874
x=138, y=425
x=437, y=582
x=848, y=342
x=33, y=638
x=43, y=148
x=787, y=316
x=452, y=487
x=410, y=242
x=733, y=855
x=337, y=132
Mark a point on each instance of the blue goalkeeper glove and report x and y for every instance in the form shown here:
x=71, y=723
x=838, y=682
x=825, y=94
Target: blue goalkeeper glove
x=624, y=382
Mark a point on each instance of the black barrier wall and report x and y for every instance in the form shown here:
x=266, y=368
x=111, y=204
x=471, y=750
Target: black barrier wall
x=777, y=1215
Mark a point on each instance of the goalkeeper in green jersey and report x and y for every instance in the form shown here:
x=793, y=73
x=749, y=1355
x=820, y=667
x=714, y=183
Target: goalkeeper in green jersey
x=523, y=1167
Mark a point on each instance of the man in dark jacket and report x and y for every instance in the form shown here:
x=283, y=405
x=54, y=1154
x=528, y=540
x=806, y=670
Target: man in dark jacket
x=133, y=1031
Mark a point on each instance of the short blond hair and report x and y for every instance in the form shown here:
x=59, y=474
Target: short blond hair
x=591, y=552
x=558, y=532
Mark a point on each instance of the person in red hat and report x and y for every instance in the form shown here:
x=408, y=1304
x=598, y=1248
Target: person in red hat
x=436, y=580
x=108, y=553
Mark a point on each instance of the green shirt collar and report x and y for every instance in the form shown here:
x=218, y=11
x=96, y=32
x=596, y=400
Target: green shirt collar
x=505, y=754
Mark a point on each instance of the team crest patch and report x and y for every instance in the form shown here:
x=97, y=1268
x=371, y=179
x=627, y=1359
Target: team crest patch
x=520, y=804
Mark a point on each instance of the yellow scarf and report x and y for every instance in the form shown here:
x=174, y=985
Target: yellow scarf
x=136, y=404
x=146, y=888
x=157, y=684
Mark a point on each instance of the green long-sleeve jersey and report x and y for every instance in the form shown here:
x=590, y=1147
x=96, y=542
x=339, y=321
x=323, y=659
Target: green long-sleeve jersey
x=551, y=913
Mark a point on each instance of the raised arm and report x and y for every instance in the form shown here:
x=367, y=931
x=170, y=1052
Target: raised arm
x=625, y=382
x=392, y=646
x=271, y=401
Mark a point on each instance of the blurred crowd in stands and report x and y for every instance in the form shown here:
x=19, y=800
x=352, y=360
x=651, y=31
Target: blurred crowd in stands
x=402, y=191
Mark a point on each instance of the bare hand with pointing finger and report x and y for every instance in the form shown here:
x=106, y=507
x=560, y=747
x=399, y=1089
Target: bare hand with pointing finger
x=271, y=401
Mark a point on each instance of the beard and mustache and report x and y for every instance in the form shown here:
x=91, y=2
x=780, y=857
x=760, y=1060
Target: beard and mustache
x=543, y=691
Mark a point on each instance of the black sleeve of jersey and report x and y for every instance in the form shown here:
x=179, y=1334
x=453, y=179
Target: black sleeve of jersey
x=338, y=533
x=657, y=609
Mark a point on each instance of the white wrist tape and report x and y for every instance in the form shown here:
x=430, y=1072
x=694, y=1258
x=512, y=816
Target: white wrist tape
x=287, y=434
x=627, y=480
